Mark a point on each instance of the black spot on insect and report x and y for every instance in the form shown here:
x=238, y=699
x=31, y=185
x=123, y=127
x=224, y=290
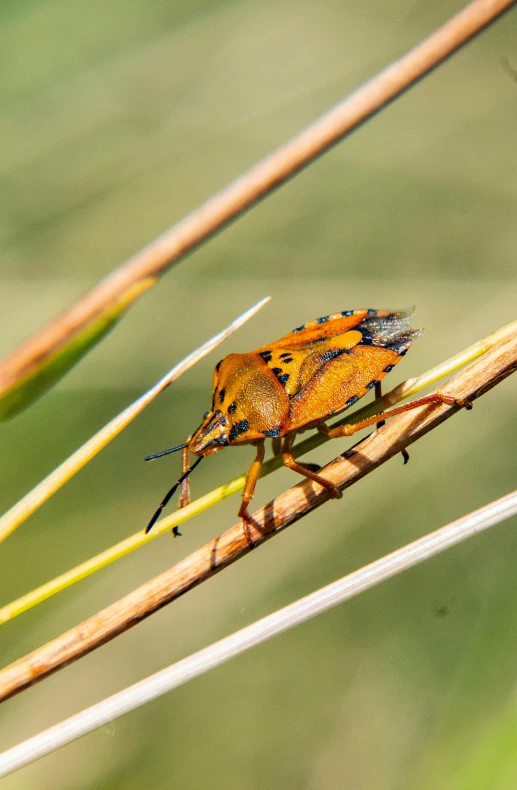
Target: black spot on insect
x=282, y=377
x=222, y=395
x=346, y=313
x=372, y=312
x=298, y=328
x=266, y=355
x=401, y=347
x=240, y=427
x=272, y=434
x=287, y=360
x=372, y=384
x=332, y=353
x=388, y=368
x=322, y=320
x=218, y=366
x=285, y=354
x=352, y=400
x=206, y=415
x=232, y=408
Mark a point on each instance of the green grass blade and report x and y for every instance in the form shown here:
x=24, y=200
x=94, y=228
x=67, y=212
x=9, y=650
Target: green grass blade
x=42, y=372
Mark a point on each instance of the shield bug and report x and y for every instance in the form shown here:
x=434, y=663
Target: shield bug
x=297, y=383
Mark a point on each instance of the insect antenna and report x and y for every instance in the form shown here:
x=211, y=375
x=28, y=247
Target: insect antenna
x=165, y=452
x=170, y=493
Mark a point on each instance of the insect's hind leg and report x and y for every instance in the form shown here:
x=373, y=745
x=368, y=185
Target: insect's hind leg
x=351, y=428
x=378, y=394
x=303, y=469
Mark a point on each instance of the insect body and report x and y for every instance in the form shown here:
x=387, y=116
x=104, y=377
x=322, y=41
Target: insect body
x=296, y=383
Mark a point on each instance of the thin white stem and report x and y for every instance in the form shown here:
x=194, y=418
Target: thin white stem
x=56, y=479
x=298, y=612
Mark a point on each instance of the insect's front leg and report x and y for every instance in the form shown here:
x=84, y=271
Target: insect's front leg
x=184, y=499
x=249, y=489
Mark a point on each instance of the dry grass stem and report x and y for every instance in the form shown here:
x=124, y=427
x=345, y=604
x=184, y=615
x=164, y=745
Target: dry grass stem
x=276, y=623
x=470, y=383
x=252, y=186
x=133, y=542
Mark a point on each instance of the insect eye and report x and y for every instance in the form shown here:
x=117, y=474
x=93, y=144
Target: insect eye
x=206, y=414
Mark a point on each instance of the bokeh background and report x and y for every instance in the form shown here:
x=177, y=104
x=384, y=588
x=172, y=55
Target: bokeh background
x=115, y=120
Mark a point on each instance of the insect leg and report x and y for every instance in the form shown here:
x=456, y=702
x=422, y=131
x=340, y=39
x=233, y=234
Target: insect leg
x=378, y=394
x=276, y=445
x=289, y=461
x=249, y=488
x=185, y=486
x=277, y=449
x=349, y=430
x=184, y=499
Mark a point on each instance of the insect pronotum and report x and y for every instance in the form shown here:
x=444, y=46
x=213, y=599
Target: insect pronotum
x=297, y=383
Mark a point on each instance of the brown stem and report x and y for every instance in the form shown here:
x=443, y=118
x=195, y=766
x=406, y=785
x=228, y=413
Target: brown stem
x=255, y=184
x=470, y=383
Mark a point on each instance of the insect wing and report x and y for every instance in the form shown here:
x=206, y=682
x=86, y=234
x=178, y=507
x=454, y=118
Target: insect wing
x=346, y=375
x=324, y=328
x=340, y=382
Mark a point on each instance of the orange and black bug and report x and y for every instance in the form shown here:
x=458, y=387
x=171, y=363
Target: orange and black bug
x=297, y=383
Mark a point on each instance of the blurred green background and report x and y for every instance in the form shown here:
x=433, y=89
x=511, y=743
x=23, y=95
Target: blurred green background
x=117, y=119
